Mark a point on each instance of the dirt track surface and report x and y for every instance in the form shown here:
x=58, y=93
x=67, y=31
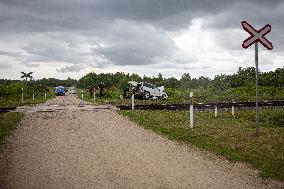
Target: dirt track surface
x=97, y=148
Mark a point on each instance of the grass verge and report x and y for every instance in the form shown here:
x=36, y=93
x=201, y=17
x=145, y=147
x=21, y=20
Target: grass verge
x=233, y=138
x=28, y=100
x=8, y=122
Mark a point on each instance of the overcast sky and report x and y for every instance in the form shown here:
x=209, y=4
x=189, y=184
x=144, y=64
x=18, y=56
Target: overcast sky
x=70, y=38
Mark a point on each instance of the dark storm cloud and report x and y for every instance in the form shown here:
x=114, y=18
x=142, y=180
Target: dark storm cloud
x=257, y=14
x=133, y=32
x=8, y=53
x=49, y=52
x=58, y=48
x=133, y=44
x=130, y=54
x=53, y=15
x=72, y=68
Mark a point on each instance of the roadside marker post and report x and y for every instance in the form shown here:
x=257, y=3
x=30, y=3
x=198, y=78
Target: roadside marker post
x=132, y=97
x=94, y=96
x=45, y=95
x=82, y=95
x=255, y=37
x=22, y=95
x=233, y=111
x=216, y=111
x=191, y=110
x=33, y=97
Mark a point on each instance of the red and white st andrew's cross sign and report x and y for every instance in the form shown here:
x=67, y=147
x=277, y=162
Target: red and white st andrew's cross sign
x=257, y=35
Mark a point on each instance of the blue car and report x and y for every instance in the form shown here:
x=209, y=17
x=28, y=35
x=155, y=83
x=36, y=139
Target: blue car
x=59, y=91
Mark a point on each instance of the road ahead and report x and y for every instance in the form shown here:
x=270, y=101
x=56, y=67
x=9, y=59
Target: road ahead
x=67, y=147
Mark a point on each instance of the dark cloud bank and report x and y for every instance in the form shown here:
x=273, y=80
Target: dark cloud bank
x=124, y=32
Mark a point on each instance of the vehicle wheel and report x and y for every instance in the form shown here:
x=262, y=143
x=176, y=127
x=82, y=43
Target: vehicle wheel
x=164, y=97
x=146, y=95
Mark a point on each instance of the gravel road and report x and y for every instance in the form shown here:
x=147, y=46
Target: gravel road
x=59, y=145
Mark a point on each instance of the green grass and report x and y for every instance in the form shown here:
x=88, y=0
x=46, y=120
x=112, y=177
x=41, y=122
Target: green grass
x=233, y=138
x=14, y=101
x=8, y=122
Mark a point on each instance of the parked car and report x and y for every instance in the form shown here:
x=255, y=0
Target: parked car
x=72, y=90
x=59, y=91
x=148, y=90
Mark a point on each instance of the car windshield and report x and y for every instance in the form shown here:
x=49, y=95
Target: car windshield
x=149, y=85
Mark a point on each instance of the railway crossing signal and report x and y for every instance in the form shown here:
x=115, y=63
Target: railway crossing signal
x=27, y=75
x=256, y=36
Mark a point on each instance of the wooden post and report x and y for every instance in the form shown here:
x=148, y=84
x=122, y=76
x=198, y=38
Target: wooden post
x=233, y=111
x=22, y=95
x=216, y=111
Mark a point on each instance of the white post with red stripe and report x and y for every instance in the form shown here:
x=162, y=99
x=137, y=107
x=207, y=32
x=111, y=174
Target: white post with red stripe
x=132, y=99
x=191, y=110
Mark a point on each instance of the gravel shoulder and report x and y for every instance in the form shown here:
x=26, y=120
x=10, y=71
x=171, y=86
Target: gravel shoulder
x=97, y=148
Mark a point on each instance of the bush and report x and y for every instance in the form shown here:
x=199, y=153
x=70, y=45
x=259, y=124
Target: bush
x=267, y=117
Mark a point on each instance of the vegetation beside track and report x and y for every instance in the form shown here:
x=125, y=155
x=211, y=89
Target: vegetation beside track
x=232, y=137
x=238, y=87
x=11, y=94
x=8, y=122
x=28, y=100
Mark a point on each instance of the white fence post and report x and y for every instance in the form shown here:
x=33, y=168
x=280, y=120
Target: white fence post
x=191, y=111
x=233, y=110
x=216, y=111
x=132, y=101
x=22, y=95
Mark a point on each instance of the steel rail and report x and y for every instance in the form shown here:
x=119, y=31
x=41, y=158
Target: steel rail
x=201, y=106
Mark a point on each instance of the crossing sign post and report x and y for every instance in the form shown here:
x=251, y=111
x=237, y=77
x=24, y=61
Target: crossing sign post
x=27, y=75
x=255, y=37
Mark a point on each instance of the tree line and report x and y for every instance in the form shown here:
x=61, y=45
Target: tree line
x=244, y=77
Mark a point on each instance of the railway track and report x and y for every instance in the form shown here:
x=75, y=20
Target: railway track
x=201, y=106
x=8, y=109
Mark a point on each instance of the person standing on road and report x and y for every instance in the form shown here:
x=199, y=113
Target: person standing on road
x=101, y=86
x=91, y=90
